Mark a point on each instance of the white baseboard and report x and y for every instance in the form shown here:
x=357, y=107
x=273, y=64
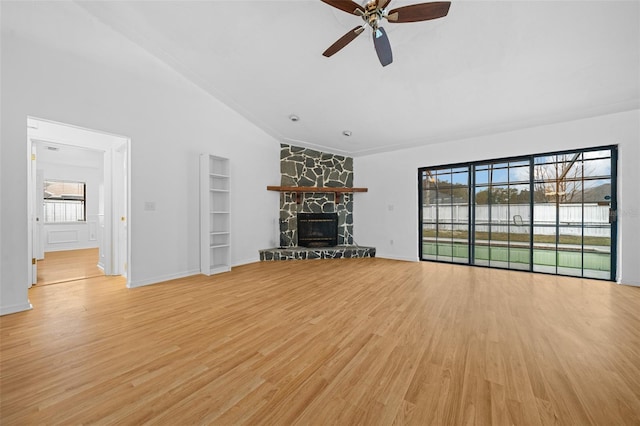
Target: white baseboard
x=7, y=310
x=246, y=261
x=404, y=259
x=161, y=279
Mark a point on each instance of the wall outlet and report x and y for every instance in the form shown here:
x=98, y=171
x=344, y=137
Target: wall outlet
x=150, y=206
x=390, y=242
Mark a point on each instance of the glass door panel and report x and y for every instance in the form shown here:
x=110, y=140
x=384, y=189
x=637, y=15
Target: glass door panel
x=597, y=252
x=569, y=251
x=519, y=221
x=445, y=243
x=598, y=200
x=429, y=215
x=445, y=214
x=429, y=242
x=499, y=220
x=482, y=215
x=460, y=243
x=544, y=249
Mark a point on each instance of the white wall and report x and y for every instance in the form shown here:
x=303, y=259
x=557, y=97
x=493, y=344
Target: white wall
x=389, y=211
x=170, y=122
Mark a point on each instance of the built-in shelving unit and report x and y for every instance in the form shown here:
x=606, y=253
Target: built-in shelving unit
x=215, y=220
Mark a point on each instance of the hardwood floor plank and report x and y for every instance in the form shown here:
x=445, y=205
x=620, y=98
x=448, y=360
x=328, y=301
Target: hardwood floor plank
x=341, y=341
x=68, y=265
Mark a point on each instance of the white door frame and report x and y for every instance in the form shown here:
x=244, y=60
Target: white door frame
x=113, y=146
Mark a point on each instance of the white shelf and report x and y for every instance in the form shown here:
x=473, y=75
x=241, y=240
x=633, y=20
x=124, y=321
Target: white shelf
x=215, y=226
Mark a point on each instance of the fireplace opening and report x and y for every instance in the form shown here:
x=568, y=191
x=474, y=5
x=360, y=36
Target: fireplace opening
x=317, y=229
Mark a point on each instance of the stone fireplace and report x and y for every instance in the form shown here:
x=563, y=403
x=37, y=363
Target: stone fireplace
x=307, y=167
x=304, y=167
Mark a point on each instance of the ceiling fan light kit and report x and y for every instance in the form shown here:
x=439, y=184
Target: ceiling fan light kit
x=372, y=14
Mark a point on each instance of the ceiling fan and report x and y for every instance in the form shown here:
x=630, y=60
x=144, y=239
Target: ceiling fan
x=373, y=12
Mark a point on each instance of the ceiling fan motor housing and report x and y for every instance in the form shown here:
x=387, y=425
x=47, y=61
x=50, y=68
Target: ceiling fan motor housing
x=372, y=14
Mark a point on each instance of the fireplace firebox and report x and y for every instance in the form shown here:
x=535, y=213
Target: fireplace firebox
x=317, y=229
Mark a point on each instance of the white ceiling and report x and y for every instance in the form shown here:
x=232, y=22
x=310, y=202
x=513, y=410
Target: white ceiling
x=486, y=67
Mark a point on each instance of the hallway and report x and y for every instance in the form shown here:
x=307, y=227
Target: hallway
x=70, y=265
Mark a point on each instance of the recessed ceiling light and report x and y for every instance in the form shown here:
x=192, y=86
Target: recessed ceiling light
x=294, y=118
x=346, y=132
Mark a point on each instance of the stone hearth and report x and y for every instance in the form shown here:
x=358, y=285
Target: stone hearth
x=301, y=253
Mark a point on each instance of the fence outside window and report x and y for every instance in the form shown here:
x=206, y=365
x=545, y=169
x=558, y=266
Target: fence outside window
x=64, y=201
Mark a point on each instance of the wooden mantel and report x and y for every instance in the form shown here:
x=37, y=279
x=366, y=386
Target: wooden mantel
x=301, y=189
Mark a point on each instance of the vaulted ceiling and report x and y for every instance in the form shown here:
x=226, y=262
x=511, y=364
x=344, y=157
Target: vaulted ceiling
x=486, y=67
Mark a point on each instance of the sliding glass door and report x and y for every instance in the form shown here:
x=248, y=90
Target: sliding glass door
x=502, y=214
x=573, y=199
x=551, y=213
x=445, y=211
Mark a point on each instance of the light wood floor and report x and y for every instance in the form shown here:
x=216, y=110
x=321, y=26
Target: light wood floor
x=69, y=265
x=345, y=341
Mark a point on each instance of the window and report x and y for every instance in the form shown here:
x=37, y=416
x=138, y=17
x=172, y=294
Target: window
x=551, y=213
x=64, y=201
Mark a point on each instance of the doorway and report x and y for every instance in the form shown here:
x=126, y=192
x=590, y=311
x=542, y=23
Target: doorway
x=87, y=232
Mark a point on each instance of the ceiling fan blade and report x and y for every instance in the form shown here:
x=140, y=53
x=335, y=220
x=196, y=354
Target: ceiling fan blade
x=343, y=41
x=383, y=3
x=419, y=12
x=383, y=48
x=345, y=5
